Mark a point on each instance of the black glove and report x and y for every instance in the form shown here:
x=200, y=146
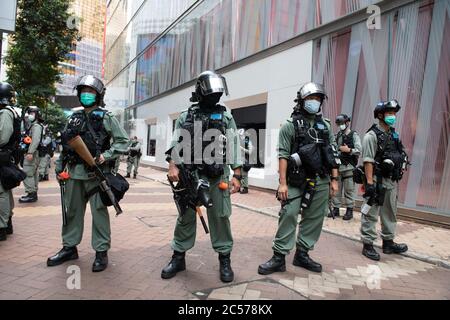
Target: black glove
x=370, y=191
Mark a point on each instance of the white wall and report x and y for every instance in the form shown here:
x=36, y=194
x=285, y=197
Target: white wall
x=279, y=76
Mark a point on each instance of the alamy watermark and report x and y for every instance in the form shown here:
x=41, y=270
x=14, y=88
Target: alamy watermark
x=374, y=21
x=73, y=282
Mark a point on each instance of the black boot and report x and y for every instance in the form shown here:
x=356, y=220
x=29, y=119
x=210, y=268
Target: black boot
x=46, y=177
x=335, y=213
x=302, y=259
x=128, y=176
x=2, y=234
x=226, y=273
x=9, y=228
x=244, y=190
x=30, y=197
x=348, y=214
x=41, y=178
x=389, y=247
x=178, y=263
x=370, y=252
x=65, y=254
x=100, y=262
x=134, y=176
x=276, y=264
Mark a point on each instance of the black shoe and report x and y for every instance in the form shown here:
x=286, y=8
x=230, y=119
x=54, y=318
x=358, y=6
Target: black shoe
x=348, y=214
x=65, y=254
x=128, y=176
x=302, y=259
x=9, y=228
x=134, y=176
x=100, y=262
x=276, y=264
x=370, y=252
x=30, y=197
x=389, y=247
x=2, y=234
x=226, y=273
x=244, y=191
x=335, y=213
x=41, y=178
x=46, y=177
x=178, y=263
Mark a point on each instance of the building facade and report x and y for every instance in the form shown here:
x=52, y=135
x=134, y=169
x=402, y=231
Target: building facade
x=267, y=49
x=86, y=56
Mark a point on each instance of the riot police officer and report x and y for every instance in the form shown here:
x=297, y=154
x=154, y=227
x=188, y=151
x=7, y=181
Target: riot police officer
x=349, y=145
x=34, y=130
x=307, y=157
x=206, y=114
x=384, y=163
x=9, y=141
x=46, y=152
x=134, y=155
x=106, y=139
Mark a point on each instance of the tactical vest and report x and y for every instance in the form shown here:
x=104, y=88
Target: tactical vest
x=210, y=119
x=92, y=131
x=347, y=140
x=12, y=146
x=312, y=143
x=389, y=146
x=134, y=153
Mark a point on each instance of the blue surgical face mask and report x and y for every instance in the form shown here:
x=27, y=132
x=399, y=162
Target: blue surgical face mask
x=88, y=99
x=390, y=120
x=312, y=106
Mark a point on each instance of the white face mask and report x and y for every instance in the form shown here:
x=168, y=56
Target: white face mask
x=342, y=127
x=312, y=106
x=31, y=117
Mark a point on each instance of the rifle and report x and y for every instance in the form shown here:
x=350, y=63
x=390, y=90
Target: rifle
x=78, y=145
x=191, y=193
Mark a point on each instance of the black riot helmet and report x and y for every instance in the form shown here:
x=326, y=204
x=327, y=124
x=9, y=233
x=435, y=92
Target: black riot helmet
x=209, y=83
x=36, y=111
x=307, y=90
x=385, y=106
x=342, y=119
x=7, y=94
x=93, y=83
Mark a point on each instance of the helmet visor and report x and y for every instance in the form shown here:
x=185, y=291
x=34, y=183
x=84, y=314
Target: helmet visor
x=213, y=84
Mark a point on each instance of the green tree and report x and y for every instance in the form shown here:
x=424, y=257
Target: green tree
x=42, y=39
x=55, y=118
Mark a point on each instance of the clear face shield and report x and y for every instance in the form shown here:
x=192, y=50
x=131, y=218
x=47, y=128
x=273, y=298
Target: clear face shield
x=213, y=84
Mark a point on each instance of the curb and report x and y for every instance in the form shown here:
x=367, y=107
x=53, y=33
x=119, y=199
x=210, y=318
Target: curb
x=410, y=254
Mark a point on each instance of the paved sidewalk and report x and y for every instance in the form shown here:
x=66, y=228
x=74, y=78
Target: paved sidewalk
x=141, y=248
x=427, y=243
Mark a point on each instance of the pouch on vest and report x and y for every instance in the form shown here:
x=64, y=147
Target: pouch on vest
x=11, y=176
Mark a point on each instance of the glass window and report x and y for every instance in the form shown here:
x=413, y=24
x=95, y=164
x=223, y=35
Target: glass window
x=151, y=140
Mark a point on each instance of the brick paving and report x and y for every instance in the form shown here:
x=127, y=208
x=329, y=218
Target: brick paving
x=141, y=248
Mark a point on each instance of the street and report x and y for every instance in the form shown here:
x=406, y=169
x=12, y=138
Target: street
x=141, y=248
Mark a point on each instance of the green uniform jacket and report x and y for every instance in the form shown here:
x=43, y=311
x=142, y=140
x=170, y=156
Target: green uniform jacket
x=6, y=129
x=356, y=151
x=119, y=145
x=36, y=132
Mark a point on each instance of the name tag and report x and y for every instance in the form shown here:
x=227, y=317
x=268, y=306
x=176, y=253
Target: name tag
x=216, y=116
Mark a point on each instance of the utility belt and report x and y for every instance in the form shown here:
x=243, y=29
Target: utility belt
x=346, y=160
x=212, y=171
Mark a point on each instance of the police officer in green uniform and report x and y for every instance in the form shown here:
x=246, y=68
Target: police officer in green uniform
x=384, y=160
x=349, y=145
x=35, y=130
x=307, y=157
x=106, y=139
x=247, y=150
x=134, y=155
x=206, y=114
x=9, y=140
x=46, y=150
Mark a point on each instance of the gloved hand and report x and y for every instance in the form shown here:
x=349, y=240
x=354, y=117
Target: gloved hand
x=370, y=191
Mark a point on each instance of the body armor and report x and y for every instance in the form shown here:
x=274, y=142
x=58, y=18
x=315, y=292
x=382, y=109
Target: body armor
x=211, y=119
x=91, y=129
x=11, y=148
x=390, y=150
x=347, y=158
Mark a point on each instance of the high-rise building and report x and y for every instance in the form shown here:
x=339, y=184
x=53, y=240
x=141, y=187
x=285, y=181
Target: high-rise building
x=87, y=54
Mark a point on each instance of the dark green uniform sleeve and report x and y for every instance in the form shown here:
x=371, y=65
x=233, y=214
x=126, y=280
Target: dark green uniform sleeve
x=286, y=140
x=36, y=134
x=234, y=143
x=6, y=126
x=120, y=140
